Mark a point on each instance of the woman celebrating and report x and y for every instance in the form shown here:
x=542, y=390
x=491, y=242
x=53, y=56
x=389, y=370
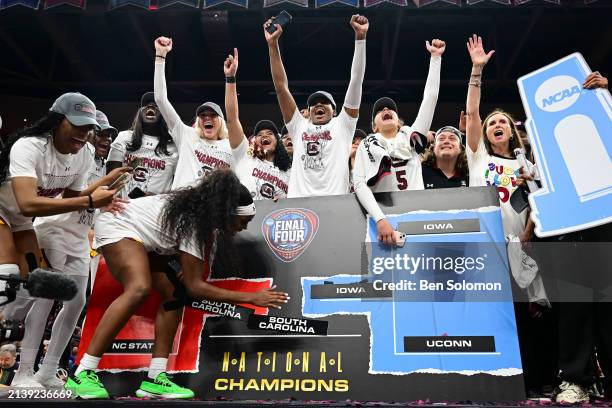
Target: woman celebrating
x=266, y=172
x=187, y=222
x=63, y=238
x=43, y=171
x=491, y=145
x=149, y=141
x=202, y=148
x=393, y=150
x=444, y=162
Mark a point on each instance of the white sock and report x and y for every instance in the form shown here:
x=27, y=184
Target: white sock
x=64, y=325
x=5, y=270
x=49, y=365
x=87, y=363
x=158, y=366
x=27, y=358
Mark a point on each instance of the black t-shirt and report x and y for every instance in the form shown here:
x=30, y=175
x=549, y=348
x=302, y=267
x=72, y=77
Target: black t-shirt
x=435, y=178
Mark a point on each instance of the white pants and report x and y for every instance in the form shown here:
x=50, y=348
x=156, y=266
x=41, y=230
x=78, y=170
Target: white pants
x=63, y=327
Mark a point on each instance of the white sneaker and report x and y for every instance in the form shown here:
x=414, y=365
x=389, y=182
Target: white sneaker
x=25, y=379
x=48, y=381
x=572, y=393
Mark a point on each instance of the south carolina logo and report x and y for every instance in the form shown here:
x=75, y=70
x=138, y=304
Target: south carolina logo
x=289, y=232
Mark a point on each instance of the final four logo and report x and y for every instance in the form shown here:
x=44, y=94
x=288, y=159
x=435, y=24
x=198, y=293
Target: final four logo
x=289, y=232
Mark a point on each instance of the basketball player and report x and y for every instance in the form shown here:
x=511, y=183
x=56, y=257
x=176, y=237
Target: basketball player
x=203, y=147
x=266, y=172
x=43, y=172
x=187, y=222
x=149, y=141
x=63, y=238
x=389, y=160
x=321, y=142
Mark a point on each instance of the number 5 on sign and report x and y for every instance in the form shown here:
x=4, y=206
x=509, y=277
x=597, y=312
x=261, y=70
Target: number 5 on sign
x=570, y=129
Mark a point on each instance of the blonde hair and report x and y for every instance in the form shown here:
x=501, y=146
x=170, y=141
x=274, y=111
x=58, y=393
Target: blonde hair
x=515, y=139
x=222, y=133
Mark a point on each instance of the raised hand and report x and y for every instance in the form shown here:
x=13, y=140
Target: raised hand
x=272, y=38
x=462, y=122
x=436, y=48
x=361, y=25
x=163, y=45
x=595, y=80
x=230, y=66
x=477, y=53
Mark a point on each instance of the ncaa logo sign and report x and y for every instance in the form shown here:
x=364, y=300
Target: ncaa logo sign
x=557, y=93
x=289, y=232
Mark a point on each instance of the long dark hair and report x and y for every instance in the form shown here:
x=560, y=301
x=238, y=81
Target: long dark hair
x=282, y=160
x=137, y=132
x=515, y=139
x=43, y=128
x=204, y=208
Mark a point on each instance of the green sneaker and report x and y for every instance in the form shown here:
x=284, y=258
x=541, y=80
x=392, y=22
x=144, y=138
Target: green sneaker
x=162, y=387
x=71, y=385
x=87, y=385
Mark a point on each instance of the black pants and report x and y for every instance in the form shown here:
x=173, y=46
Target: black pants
x=584, y=328
x=581, y=263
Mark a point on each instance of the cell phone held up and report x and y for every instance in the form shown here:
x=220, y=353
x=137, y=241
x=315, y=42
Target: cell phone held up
x=282, y=20
x=125, y=178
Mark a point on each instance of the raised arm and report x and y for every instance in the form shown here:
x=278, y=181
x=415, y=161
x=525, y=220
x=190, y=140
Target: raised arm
x=279, y=76
x=234, y=127
x=198, y=289
x=352, y=100
x=479, y=60
x=422, y=123
x=163, y=46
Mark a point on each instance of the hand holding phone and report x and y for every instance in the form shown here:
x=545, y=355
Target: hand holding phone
x=282, y=19
x=400, y=239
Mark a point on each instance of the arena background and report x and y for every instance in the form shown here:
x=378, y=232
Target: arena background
x=108, y=54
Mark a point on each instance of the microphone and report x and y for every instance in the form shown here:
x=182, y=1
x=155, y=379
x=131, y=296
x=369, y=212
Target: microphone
x=51, y=285
x=520, y=157
x=43, y=284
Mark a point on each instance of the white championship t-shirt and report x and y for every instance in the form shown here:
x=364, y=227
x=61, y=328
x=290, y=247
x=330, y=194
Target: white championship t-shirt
x=54, y=172
x=320, y=155
x=197, y=156
x=502, y=172
x=263, y=179
x=141, y=221
x=67, y=232
x=155, y=173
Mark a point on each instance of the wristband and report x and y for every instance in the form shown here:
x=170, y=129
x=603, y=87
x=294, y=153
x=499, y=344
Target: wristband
x=230, y=80
x=91, y=204
x=160, y=56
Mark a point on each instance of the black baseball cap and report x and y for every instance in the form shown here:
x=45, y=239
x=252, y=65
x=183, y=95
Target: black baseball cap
x=147, y=98
x=383, y=103
x=210, y=106
x=267, y=125
x=77, y=108
x=359, y=134
x=321, y=95
x=284, y=131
